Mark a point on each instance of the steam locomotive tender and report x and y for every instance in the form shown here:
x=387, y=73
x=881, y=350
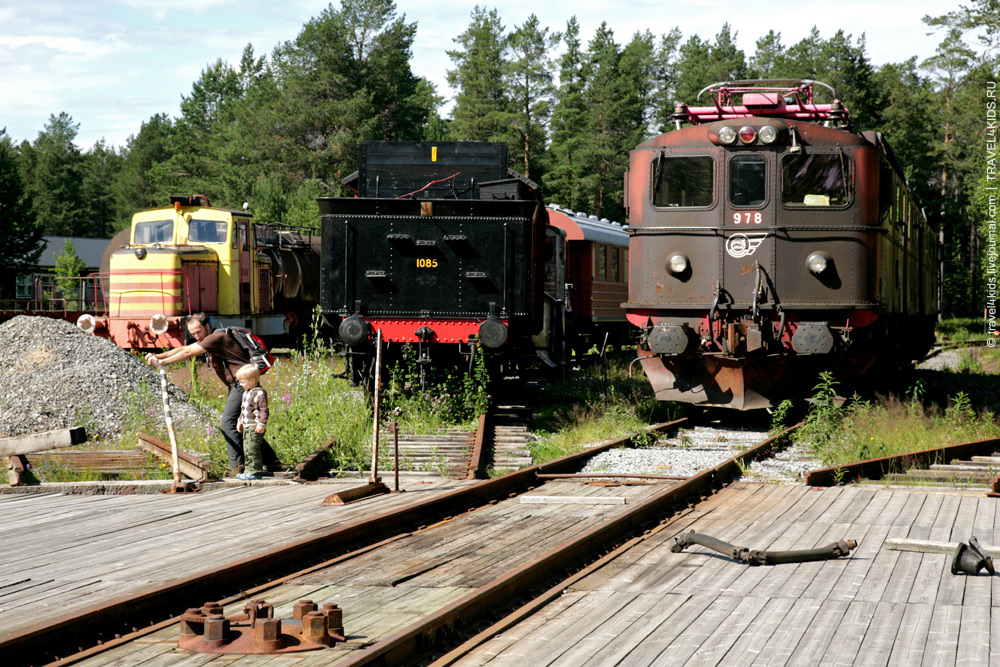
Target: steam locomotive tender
x=448, y=252
x=770, y=241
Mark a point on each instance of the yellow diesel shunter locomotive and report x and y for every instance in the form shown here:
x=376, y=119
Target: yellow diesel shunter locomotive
x=191, y=257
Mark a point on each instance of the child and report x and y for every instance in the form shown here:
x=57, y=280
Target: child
x=252, y=421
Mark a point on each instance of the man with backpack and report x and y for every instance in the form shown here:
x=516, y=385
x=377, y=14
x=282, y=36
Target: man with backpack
x=227, y=356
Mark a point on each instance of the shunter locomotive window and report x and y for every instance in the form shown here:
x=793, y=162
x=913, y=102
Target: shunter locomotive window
x=814, y=179
x=747, y=182
x=157, y=231
x=683, y=181
x=207, y=231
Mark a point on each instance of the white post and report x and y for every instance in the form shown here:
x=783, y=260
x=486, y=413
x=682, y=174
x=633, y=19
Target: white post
x=378, y=383
x=170, y=424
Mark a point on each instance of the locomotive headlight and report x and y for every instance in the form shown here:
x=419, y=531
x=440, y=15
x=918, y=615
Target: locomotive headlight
x=747, y=134
x=817, y=263
x=768, y=134
x=727, y=135
x=677, y=263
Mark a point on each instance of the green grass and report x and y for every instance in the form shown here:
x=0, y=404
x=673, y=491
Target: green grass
x=866, y=429
x=958, y=330
x=586, y=408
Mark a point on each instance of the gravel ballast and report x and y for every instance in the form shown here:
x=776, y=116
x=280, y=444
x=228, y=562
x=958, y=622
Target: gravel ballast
x=54, y=376
x=692, y=450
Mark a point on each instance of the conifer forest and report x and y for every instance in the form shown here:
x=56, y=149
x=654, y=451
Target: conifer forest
x=278, y=130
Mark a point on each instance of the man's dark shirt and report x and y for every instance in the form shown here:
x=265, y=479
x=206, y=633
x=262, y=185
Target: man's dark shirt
x=225, y=354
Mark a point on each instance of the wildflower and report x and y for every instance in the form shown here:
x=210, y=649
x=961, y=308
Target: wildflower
x=287, y=398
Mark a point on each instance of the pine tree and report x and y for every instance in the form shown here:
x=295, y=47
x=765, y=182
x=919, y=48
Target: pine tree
x=764, y=59
x=22, y=237
x=529, y=79
x=140, y=182
x=665, y=74
x=101, y=165
x=569, y=118
x=482, y=105
x=57, y=177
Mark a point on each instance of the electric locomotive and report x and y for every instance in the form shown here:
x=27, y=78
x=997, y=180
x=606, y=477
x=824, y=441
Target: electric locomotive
x=770, y=241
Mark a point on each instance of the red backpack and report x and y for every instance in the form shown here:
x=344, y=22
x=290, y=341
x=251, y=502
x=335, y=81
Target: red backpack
x=252, y=345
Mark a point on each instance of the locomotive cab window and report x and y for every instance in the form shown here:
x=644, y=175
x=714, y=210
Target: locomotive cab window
x=815, y=179
x=747, y=180
x=207, y=231
x=683, y=181
x=156, y=231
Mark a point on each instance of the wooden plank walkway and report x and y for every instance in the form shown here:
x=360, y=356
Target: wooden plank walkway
x=879, y=607
x=387, y=589
x=62, y=553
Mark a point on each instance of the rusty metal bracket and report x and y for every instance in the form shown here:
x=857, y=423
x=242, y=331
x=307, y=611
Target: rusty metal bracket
x=256, y=631
x=356, y=493
x=316, y=464
x=190, y=465
x=18, y=470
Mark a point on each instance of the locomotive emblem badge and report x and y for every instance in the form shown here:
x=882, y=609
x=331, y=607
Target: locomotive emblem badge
x=744, y=245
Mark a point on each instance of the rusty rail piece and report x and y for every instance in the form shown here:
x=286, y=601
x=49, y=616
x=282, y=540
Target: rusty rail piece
x=876, y=468
x=81, y=631
x=476, y=469
x=191, y=466
x=445, y=624
x=318, y=463
x=611, y=475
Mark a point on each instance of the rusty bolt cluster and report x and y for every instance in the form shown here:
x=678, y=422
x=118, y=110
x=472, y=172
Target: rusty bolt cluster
x=207, y=630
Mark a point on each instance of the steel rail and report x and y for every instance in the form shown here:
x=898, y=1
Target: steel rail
x=447, y=623
x=877, y=468
x=107, y=623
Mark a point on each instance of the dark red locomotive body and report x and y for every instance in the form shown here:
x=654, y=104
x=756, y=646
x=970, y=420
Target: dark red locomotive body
x=770, y=241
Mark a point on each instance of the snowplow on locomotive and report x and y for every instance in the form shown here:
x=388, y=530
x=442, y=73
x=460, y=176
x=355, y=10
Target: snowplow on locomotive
x=769, y=241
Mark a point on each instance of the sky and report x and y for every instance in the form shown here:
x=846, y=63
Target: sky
x=113, y=64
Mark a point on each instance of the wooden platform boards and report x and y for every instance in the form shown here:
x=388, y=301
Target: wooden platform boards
x=62, y=553
x=878, y=607
x=385, y=590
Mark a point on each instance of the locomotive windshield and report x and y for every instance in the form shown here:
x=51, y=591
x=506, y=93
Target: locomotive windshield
x=747, y=182
x=157, y=231
x=683, y=181
x=207, y=231
x=814, y=180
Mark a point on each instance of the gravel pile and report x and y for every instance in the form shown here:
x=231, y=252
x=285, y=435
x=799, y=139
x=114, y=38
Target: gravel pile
x=53, y=376
x=691, y=451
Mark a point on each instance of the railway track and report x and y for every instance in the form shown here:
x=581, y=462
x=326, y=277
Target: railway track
x=437, y=568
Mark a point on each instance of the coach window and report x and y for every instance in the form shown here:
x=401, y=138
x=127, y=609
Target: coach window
x=601, y=255
x=615, y=276
x=815, y=179
x=747, y=180
x=683, y=181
